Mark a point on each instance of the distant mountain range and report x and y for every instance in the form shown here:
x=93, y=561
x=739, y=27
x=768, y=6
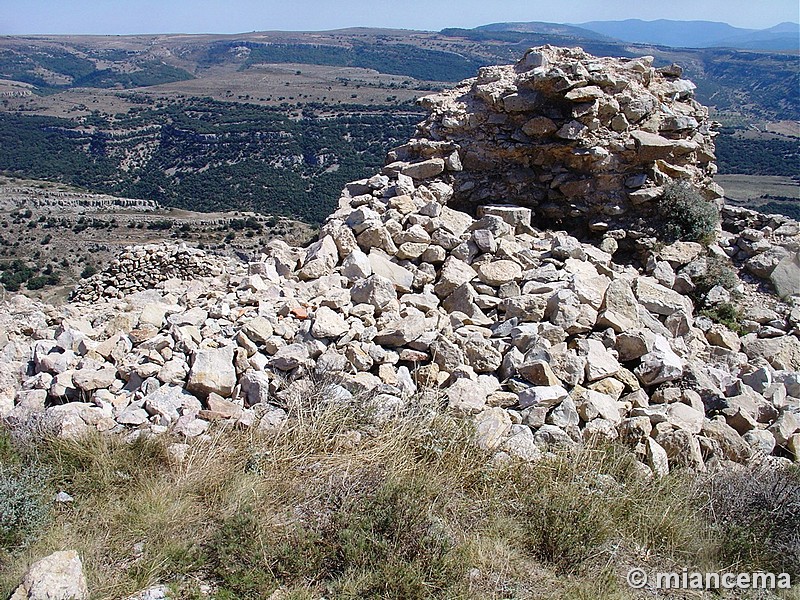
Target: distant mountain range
x=663, y=32
x=559, y=29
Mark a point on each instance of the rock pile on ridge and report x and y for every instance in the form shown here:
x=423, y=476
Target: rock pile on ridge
x=580, y=140
x=142, y=268
x=540, y=338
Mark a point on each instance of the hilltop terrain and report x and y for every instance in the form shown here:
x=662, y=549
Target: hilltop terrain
x=699, y=34
x=533, y=351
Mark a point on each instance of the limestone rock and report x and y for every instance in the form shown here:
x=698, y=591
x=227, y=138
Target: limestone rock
x=258, y=329
x=660, y=365
x=482, y=355
x=657, y=458
x=58, y=576
x=321, y=259
x=255, y=388
x=660, y=300
x=498, y=272
x=539, y=373
x=491, y=426
x=786, y=276
x=685, y=417
x=547, y=396
x=169, y=402
x=289, y=357
x=212, y=371
x=783, y=353
x=593, y=405
x=382, y=266
x=466, y=397
x=89, y=380
x=683, y=450
x=328, y=324
x=787, y=424
x=402, y=330
x=521, y=444
x=375, y=290
x=565, y=415
x=454, y=273
x=424, y=169
x=732, y=445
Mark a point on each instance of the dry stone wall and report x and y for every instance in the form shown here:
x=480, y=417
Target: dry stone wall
x=578, y=139
x=143, y=267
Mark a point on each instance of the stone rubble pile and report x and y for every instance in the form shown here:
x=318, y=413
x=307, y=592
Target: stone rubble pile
x=767, y=246
x=582, y=141
x=143, y=267
x=543, y=340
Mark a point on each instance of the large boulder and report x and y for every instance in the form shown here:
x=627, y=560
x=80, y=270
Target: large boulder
x=212, y=371
x=58, y=576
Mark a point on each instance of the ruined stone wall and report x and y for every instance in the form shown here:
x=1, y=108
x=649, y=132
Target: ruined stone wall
x=580, y=140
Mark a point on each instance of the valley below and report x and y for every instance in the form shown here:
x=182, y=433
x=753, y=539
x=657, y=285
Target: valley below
x=269, y=126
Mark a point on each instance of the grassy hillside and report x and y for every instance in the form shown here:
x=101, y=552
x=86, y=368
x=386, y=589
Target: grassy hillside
x=335, y=505
x=52, y=69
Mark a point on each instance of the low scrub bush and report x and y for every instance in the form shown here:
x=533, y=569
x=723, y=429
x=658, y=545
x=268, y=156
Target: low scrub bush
x=718, y=272
x=25, y=503
x=757, y=515
x=686, y=214
x=578, y=511
x=373, y=543
x=725, y=314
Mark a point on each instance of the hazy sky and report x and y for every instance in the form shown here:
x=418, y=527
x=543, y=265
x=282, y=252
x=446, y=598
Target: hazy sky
x=236, y=16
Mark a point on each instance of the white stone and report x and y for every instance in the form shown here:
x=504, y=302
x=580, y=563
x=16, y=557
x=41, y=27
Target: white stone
x=657, y=458
x=454, y=273
x=328, y=323
x=58, y=576
x=538, y=395
x=685, y=417
x=212, y=371
x=498, y=272
x=375, y=290
x=660, y=365
x=466, y=397
x=491, y=426
x=402, y=278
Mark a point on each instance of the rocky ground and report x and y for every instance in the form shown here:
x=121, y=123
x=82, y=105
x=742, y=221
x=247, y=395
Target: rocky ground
x=543, y=340
x=70, y=232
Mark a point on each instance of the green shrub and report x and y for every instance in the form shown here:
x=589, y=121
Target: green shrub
x=687, y=215
x=24, y=505
x=718, y=272
x=377, y=540
x=236, y=558
x=88, y=271
x=40, y=281
x=566, y=525
x=725, y=314
x=15, y=274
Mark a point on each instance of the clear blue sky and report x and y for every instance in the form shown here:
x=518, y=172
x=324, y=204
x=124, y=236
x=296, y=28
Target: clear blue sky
x=236, y=16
